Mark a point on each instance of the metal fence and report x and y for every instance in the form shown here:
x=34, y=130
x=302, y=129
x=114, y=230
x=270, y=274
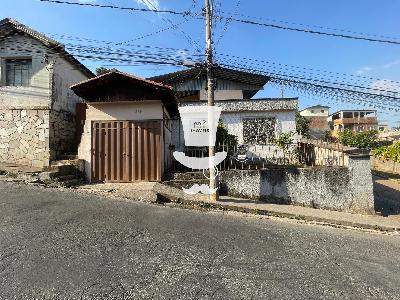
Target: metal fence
x=255, y=157
x=321, y=153
x=245, y=157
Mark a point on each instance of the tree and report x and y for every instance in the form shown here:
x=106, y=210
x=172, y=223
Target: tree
x=224, y=138
x=364, y=140
x=302, y=125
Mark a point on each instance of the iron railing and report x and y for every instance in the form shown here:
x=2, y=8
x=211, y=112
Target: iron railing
x=245, y=157
x=256, y=157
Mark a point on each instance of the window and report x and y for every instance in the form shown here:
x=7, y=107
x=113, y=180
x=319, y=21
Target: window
x=258, y=131
x=347, y=115
x=322, y=111
x=312, y=111
x=18, y=72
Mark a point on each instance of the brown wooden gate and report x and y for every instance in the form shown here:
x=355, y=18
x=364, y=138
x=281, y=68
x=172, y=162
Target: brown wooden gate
x=126, y=151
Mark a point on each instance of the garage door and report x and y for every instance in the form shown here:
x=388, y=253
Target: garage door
x=126, y=151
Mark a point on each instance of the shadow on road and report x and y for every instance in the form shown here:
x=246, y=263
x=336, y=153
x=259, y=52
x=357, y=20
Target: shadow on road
x=387, y=196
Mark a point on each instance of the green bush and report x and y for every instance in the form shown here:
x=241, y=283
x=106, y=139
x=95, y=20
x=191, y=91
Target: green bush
x=302, y=125
x=283, y=140
x=364, y=140
x=391, y=152
x=224, y=138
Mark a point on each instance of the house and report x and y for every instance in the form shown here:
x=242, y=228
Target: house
x=255, y=122
x=318, y=116
x=127, y=130
x=37, y=108
x=354, y=120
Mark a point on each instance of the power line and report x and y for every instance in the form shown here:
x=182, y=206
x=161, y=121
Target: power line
x=182, y=13
x=111, y=43
x=315, y=86
x=166, y=20
x=318, y=26
x=127, y=55
x=227, y=22
x=242, y=20
x=352, y=77
x=310, y=31
x=256, y=61
x=154, y=33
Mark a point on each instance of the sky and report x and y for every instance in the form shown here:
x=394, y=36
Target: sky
x=374, y=60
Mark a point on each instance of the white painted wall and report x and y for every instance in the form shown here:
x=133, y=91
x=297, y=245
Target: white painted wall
x=223, y=95
x=64, y=76
x=36, y=95
x=123, y=111
x=315, y=112
x=44, y=71
x=285, y=121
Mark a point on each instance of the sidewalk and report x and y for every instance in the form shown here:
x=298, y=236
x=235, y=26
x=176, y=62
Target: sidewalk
x=156, y=192
x=160, y=193
x=376, y=222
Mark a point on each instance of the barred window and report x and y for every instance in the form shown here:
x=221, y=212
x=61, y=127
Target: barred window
x=258, y=131
x=18, y=72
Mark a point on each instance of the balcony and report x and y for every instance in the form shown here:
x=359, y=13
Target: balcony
x=349, y=121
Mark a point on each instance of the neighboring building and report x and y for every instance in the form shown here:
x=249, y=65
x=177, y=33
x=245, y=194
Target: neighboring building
x=389, y=135
x=354, y=120
x=37, y=108
x=253, y=121
x=127, y=130
x=318, y=115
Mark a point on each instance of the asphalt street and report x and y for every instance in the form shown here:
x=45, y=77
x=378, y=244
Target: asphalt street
x=67, y=245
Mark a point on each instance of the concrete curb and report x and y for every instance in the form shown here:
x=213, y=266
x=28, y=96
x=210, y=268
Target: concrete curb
x=162, y=198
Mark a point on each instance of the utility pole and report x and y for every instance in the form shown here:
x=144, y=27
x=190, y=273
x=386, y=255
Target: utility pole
x=210, y=97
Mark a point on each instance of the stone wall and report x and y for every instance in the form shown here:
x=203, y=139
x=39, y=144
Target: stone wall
x=61, y=133
x=24, y=137
x=335, y=188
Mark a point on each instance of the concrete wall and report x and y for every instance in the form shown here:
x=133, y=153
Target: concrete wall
x=63, y=107
x=167, y=137
x=123, y=111
x=61, y=133
x=334, y=188
x=64, y=76
x=389, y=166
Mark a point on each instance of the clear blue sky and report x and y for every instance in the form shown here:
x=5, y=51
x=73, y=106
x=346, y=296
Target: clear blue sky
x=299, y=49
